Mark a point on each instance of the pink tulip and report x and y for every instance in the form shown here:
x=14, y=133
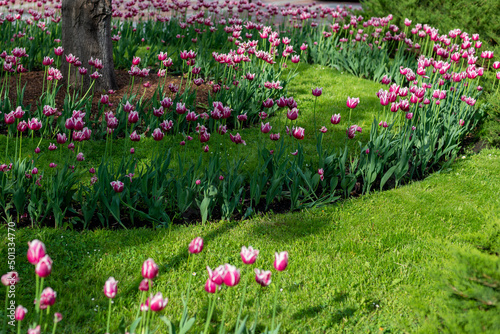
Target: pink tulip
x=292, y=114
x=196, y=245
x=298, y=133
x=237, y=139
x=47, y=298
x=44, y=266
x=249, y=255
x=351, y=131
x=217, y=275
x=11, y=278
x=317, y=91
x=157, y=303
x=34, y=124
x=136, y=61
x=232, y=275
x=210, y=286
x=134, y=136
x=149, y=269
x=461, y=122
x=335, y=119
x=263, y=277
x=144, y=285
x=157, y=134
x=9, y=118
x=281, y=261
x=181, y=108
x=35, y=330
x=110, y=287
x=36, y=251
x=22, y=126
x=133, y=117
x=20, y=313
x=409, y=115
x=80, y=157
x=268, y=103
x=265, y=128
x=352, y=102
x=117, y=186
x=242, y=117
x=274, y=136
x=57, y=317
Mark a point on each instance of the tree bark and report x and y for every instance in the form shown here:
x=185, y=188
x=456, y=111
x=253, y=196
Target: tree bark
x=86, y=33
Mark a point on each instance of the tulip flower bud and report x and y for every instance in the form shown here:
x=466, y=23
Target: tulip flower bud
x=317, y=91
x=44, y=266
x=249, y=255
x=57, y=317
x=196, y=245
x=11, y=278
x=232, y=275
x=36, y=250
x=20, y=313
x=149, y=269
x=281, y=261
x=335, y=119
x=263, y=277
x=210, y=286
x=110, y=287
x=144, y=285
x=47, y=298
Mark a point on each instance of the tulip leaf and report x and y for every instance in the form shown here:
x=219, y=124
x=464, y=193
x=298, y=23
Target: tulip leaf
x=387, y=176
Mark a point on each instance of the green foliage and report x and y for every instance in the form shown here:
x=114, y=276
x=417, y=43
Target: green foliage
x=473, y=16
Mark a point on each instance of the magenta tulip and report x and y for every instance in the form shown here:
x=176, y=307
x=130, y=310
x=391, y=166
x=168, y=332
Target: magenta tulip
x=281, y=261
x=44, y=266
x=144, y=285
x=133, y=117
x=47, y=298
x=157, y=303
x=20, y=313
x=232, y=275
x=149, y=269
x=335, y=119
x=11, y=278
x=36, y=251
x=249, y=255
x=298, y=133
x=117, y=186
x=217, y=275
x=210, y=286
x=35, y=330
x=110, y=287
x=317, y=91
x=196, y=245
x=265, y=128
x=263, y=277
x=57, y=317
x=352, y=102
x=292, y=114
x=157, y=134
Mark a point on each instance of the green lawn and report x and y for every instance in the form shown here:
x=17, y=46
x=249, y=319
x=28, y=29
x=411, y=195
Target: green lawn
x=382, y=263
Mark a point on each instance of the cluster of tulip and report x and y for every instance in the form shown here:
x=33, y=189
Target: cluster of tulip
x=149, y=306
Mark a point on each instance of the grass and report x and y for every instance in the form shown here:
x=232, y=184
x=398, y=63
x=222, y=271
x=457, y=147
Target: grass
x=336, y=87
x=380, y=263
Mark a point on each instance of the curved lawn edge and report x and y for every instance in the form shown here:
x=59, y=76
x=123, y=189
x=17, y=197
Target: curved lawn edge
x=377, y=262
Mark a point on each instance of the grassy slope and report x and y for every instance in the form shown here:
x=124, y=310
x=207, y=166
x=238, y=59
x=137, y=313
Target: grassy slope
x=372, y=264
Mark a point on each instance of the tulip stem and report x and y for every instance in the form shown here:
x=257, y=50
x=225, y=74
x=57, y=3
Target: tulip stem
x=19, y=327
x=109, y=315
x=257, y=305
x=54, y=328
x=211, y=307
x=241, y=305
x=222, y=327
x=275, y=302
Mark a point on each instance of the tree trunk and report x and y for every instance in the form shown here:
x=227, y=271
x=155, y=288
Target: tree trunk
x=86, y=33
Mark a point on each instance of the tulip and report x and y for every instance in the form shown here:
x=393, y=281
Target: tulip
x=11, y=278
x=237, y=139
x=144, y=285
x=281, y=261
x=335, y=119
x=44, y=266
x=134, y=136
x=217, y=275
x=22, y=126
x=80, y=157
x=263, y=277
x=35, y=330
x=298, y=133
x=181, y=108
x=19, y=113
x=157, y=134
x=249, y=255
x=265, y=128
x=34, y=124
x=352, y=102
x=292, y=114
x=133, y=117
x=157, y=303
x=210, y=286
x=117, y=186
x=36, y=251
x=461, y=122
x=409, y=115
x=149, y=269
x=242, y=117
x=20, y=313
x=317, y=91
x=47, y=298
x=110, y=288
x=232, y=275
x=196, y=245
x=9, y=118
x=57, y=317
x=52, y=165
x=268, y=103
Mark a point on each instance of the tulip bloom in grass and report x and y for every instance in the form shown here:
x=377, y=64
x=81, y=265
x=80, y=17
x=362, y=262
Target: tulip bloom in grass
x=316, y=92
x=110, y=289
x=280, y=264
